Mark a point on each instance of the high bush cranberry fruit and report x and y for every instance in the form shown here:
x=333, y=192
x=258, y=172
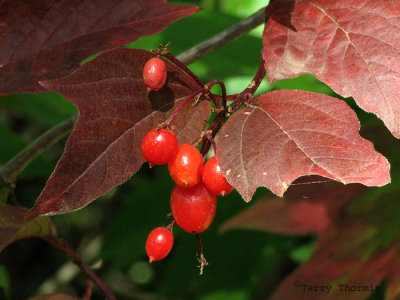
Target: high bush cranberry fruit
x=155, y=73
x=159, y=243
x=159, y=146
x=193, y=208
x=186, y=166
x=214, y=179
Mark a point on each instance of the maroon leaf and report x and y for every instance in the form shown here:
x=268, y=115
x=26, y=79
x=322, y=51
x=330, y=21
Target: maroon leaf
x=115, y=112
x=54, y=297
x=337, y=262
x=288, y=134
x=47, y=39
x=13, y=226
x=347, y=258
x=305, y=209
x=353, y=46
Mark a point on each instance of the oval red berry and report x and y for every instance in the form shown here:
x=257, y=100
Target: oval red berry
x=159, y=243
x=155, y=73
x=214, y=179
x=193, y=208
x=186, y=166
x=159, y=146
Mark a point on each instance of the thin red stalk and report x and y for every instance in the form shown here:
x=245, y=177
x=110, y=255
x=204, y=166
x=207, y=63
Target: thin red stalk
x=181, y=65
x=228, y=97
x=210, y=84
x=73, y=255
x=170, y=225
x=89, y=290
x=212, y=141
x=181, y=105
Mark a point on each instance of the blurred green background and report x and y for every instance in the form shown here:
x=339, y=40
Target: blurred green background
x=111, y=232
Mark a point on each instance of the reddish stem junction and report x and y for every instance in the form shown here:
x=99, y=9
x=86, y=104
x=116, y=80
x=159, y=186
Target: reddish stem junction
x=221, y=108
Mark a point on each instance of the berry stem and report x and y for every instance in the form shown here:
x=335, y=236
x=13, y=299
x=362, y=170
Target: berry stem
x=73, y=255
x=89, y=290
x=212, y=141
x=181, y=105
x=210, y=84
x=202, y=260
x=170, y=225
x=181, y=65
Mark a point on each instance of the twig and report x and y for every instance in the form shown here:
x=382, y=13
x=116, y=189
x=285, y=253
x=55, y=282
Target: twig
x=73, y=255
x=248, y=93
x=214, y=128
x=12, y=168
x=222, y=38
x=89, y=290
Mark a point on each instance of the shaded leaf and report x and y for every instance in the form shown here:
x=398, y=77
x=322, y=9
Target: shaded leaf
x=13, y=226
x=337, y=41
x=42, y=39
x=54, y=297
x=360, y=249
x=289, y=134
x=305, y=209
x=115, y=112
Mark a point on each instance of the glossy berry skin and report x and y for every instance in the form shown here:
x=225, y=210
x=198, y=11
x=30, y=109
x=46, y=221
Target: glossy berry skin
x=155, y=73
x=159, y=243
x=187, y=166
x=214, y=179
x=159, y=147
x=193, y=208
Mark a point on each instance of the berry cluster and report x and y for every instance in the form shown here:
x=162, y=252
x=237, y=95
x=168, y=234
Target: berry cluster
x=193, y=199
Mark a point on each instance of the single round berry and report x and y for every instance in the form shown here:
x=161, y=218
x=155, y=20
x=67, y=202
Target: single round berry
x=193, y=208
x=155, y=73
x=186, y=166
x=214, y=179
x=159, y=146
x=159, y=243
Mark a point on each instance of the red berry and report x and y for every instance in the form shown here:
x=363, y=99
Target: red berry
x=186, y=166
x=159, y=243
x=214, y=179
x=155, y=73
x=193, y=208
x=159, y=147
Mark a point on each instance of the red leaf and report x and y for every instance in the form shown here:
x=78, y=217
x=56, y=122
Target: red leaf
x=353, y=46
x=288, y=134
x=115, y=112
x=47, y=39
x=13, y=226
x=340, y=261
x=305, y=209
x=337, y=262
